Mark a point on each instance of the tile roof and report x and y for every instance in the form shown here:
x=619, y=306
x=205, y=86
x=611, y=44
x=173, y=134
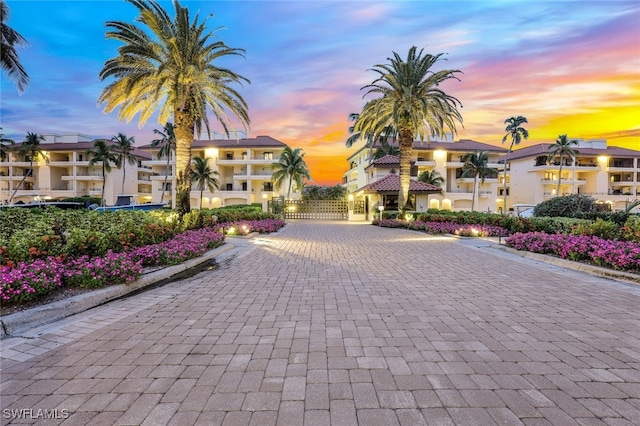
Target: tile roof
x=543, y=149
x=462, y=145
x=80, y=147
x=388, y=160
x=257, y=142
x=391, y=183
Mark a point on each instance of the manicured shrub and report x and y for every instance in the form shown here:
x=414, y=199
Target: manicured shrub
x=600, y=228
x=85, y=242
x=631, y=229
x=565, y=206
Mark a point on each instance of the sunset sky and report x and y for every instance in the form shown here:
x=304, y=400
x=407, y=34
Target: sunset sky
x=569, y=66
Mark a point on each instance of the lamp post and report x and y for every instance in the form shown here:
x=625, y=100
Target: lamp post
x=381, y=208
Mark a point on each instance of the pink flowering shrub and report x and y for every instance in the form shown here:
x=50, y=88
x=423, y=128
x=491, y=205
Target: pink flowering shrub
x=96, y=272
x=26, y=281
x=181, y=247
x=624, y=255
x=466, y=230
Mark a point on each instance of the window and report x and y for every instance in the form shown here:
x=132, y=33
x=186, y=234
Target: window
x=244, y=156
x=267, y=186
x=268, y=155
x=229, y=156
x=244, y=186
x=229, y=187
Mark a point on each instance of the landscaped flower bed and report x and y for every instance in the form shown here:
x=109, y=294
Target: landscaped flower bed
x=26, y=280
x=623, y=255
x=600, y=242
x=466, y=230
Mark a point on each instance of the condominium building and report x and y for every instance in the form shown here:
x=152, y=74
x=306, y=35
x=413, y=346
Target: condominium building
x=63, y=171
x=243, y=166
x=441, y=155
x=607, y=173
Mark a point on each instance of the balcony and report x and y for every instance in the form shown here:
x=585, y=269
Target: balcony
x=83, y=177
x=252, y=176
x=425, y=163
x=563, y=181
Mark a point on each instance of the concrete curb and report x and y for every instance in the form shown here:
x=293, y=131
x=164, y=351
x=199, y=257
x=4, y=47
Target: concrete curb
x=19, y=321
x=627, y=277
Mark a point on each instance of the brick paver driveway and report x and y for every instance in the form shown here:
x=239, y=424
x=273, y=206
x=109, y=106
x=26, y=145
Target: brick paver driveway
x=344, y=324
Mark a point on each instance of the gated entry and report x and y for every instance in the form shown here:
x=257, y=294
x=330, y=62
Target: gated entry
x=316, y=209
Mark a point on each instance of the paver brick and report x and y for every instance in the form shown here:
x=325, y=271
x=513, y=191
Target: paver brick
x=299, y=329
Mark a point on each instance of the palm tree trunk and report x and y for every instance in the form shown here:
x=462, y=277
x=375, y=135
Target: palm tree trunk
x=21, y=182
x=124, y=174
x=475, y=191
x=289, y=187
x=200, y=202
x=184, y=128
x=166, y=176
x=405, y=142
x=504, y=190
x=559, y=176
x=103, y=183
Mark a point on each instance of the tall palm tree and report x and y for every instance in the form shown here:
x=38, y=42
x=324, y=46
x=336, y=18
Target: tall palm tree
x=432, y=177
x=123, y=147
x=8, y=55
x=167, y=145
x=168, y=64
x=30, y=148
x=103, y=153
x=517, y=133
x=290, y=168
x=203, y=176
x=4, y=146
x=413, y=103
x=562, y=147
x=475, y=165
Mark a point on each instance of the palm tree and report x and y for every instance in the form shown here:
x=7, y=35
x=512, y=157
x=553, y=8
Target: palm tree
x=385, y=148
x=4, y=146
x=31, y=149
x=290, y=168
x=203, y=176
x=432, y=177
x=516, y=132
x=167, y=63
x=413, y=103
x=475, y=165
x=103, y=153
x=8, y=55
x=123, y=147
x=387, y=133
x=167, y=145
x=562, y=147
